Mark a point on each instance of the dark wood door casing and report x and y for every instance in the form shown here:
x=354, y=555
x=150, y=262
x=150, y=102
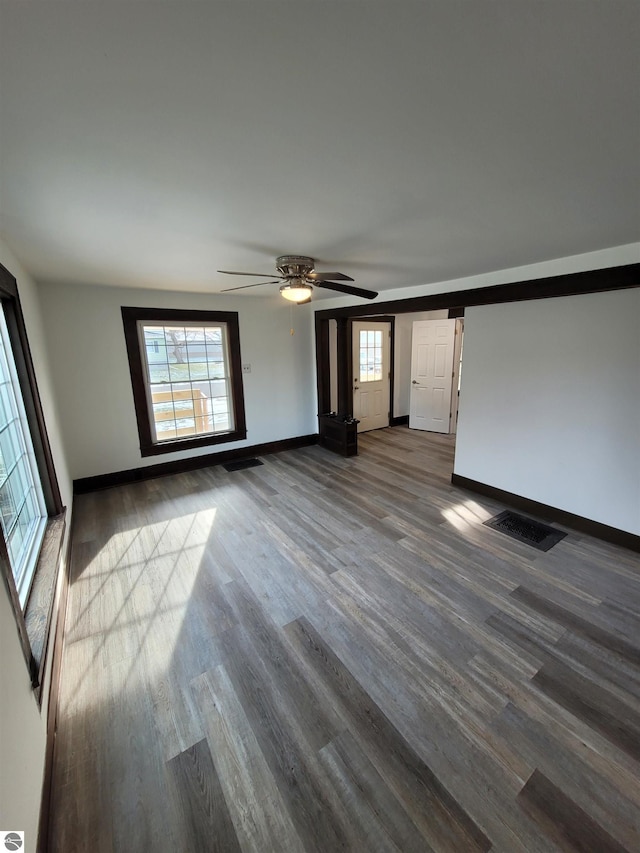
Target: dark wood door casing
x=572, y=284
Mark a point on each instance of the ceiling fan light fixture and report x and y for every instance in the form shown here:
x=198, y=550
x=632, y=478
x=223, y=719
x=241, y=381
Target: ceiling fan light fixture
x=299, y=276
x=296, y=291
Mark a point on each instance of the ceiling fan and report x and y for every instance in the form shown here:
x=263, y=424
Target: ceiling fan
x=299, y=276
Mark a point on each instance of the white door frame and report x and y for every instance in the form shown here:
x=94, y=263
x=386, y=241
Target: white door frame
x=457, y=369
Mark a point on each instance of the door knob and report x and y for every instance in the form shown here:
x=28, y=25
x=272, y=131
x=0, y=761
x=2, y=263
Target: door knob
x=414, y=382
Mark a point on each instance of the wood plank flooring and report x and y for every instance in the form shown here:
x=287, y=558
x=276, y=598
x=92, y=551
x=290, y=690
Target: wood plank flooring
x=328, y=654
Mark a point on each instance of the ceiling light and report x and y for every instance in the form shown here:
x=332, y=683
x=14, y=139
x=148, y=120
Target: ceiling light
x=296, y=291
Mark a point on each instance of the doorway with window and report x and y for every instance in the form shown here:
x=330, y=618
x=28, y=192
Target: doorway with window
x=371, y=374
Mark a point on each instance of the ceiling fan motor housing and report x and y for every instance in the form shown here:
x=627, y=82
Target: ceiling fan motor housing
x=294, y=266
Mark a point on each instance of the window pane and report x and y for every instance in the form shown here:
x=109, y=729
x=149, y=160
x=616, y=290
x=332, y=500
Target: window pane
x=9, y=450
x=4, y=415
x=178, y=372
x=7, y=506
x=158, y=372
x=5, y=400
x=198, y=370
x=166, y=430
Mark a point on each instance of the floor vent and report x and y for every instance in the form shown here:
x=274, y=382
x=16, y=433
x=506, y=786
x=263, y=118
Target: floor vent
x=241, y=464
x=534, y=533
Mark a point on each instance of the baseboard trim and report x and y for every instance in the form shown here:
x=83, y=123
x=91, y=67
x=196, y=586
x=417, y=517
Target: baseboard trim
x=402, y=420
x=191, y=463
x=550, y=513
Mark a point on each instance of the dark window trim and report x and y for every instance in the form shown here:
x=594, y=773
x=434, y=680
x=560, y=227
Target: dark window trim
x=34, y=623
x=130, y=319
x=30, y=394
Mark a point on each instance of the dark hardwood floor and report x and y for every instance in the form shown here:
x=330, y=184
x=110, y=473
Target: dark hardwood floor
x=326, y=654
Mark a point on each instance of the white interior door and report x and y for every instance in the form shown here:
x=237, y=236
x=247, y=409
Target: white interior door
x=432, y=349
x=371, y=374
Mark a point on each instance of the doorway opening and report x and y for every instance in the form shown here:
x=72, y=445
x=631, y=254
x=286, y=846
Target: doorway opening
x=337, y=357
x=354, y=379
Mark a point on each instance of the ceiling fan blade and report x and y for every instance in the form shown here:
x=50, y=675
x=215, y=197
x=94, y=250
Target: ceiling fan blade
x=245, y=286
x=254, y=274
x=346, y=288
x=329, y=276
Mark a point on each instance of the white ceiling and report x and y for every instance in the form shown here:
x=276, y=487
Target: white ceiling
x=148, y=144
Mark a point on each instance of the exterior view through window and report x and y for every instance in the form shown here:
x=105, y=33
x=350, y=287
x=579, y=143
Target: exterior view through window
x=188, y=379
x=22, y=506
x=370, y=356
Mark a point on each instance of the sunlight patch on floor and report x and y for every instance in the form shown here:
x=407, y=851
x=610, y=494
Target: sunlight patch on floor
x=134, y=596
x=466, y=514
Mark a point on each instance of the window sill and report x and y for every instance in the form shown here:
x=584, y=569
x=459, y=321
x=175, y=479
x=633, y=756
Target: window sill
x=39, y=609
x=191, y=443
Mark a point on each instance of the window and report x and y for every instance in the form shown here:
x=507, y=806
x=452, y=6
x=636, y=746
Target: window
x=186, y=377
x=23, y=512
x=370, y=356
x=32, y=517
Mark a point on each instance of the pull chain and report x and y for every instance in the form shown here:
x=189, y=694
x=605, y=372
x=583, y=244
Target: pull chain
x=291, y=330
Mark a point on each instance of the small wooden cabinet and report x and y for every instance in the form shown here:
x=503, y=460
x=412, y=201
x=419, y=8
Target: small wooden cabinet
x=339, y=434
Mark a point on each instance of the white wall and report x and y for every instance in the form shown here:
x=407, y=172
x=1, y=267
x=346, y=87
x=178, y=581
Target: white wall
x=93, y=386
x=550, y=403
x=22, y=725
